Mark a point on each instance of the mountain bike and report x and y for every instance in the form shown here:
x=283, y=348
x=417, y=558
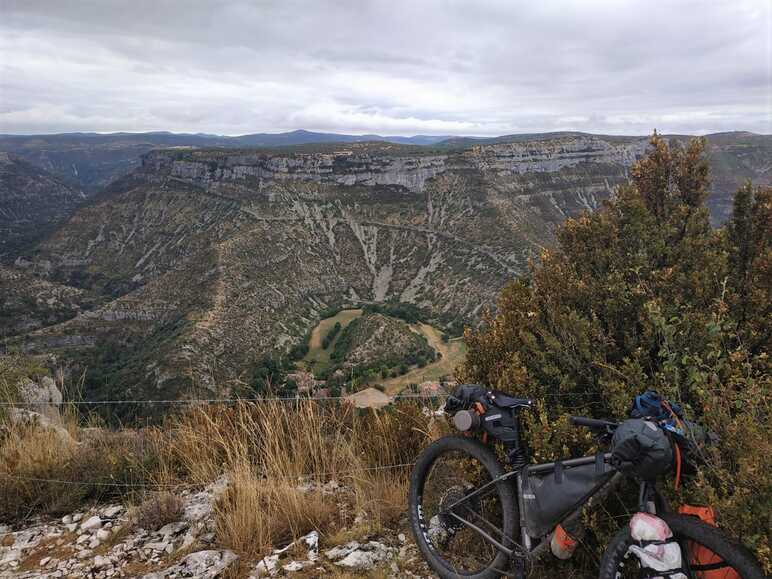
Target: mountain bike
x=473, y=519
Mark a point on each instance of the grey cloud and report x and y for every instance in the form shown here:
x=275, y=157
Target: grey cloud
x=484, y=67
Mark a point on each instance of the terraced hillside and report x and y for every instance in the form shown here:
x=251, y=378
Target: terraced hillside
x=204, y=261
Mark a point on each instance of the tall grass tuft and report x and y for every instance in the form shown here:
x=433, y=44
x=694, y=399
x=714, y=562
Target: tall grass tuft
x=278, y=456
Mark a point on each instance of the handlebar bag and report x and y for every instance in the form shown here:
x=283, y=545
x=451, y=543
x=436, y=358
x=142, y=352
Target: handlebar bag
x=548, y=497
x=642, y=447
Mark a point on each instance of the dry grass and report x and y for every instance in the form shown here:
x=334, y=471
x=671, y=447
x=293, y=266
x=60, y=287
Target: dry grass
x=34, y=460
x=157, y=510
x=382, y=497
x=256, y=514
x=278, y=456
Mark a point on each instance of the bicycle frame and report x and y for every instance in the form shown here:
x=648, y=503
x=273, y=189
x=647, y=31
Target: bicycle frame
x=649, y=500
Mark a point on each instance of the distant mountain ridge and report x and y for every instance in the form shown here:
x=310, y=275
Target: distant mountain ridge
x=45, y=177
x=91, y=160
x=167, y=138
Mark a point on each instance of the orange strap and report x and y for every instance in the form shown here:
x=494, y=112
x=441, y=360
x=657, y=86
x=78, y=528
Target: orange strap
x=680, y=424
x=667, y=406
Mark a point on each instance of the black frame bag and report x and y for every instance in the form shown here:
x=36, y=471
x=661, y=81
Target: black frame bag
x=549, y=497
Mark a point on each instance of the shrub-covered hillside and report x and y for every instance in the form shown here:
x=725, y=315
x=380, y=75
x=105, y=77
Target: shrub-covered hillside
x=644, y=293
x=380, y=342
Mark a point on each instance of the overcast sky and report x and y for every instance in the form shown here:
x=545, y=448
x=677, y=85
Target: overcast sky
x=388, y=67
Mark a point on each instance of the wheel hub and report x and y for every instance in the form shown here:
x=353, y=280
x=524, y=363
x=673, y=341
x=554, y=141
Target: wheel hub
x=452, y=496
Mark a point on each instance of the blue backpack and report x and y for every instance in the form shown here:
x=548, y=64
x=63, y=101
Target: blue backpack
x=650, y=404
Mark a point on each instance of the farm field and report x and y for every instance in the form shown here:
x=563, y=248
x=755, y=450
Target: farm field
x=318, y=358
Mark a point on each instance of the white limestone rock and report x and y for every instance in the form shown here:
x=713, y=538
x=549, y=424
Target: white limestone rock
x=45, y=397
x=360, y=557
x=112, y=512
x=92, y=523
x=202, y=565
x=267, y=567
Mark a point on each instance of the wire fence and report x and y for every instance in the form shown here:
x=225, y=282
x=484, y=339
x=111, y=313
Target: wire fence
x=332, y=475
x=184, y=401
x=256, y=400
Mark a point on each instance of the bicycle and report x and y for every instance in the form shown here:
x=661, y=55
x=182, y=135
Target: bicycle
x=473, y=519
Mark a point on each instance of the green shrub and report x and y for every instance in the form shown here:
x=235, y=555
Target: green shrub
x=328, y=339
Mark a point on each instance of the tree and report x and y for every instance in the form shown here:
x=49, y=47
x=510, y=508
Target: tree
x=749, y=233
x=645, y=294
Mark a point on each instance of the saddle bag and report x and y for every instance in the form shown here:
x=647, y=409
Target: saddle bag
x=497, y=420
x=548, y=497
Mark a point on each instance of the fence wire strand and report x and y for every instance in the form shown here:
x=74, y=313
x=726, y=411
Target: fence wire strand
x=182, y=401
x=145, y=485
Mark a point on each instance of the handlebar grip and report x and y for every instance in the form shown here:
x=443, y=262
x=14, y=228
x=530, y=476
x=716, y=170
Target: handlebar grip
x=592, y=423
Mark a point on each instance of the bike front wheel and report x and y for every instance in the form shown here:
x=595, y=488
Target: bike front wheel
x=451, y=492
x=695, y=538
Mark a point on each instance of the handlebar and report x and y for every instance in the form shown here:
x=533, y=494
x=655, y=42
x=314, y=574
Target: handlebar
x=593, y=423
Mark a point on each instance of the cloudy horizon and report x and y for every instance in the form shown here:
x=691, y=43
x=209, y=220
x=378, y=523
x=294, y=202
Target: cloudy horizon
x=390, y=68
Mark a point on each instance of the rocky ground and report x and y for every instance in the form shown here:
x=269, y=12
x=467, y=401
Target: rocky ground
x=105, y=541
